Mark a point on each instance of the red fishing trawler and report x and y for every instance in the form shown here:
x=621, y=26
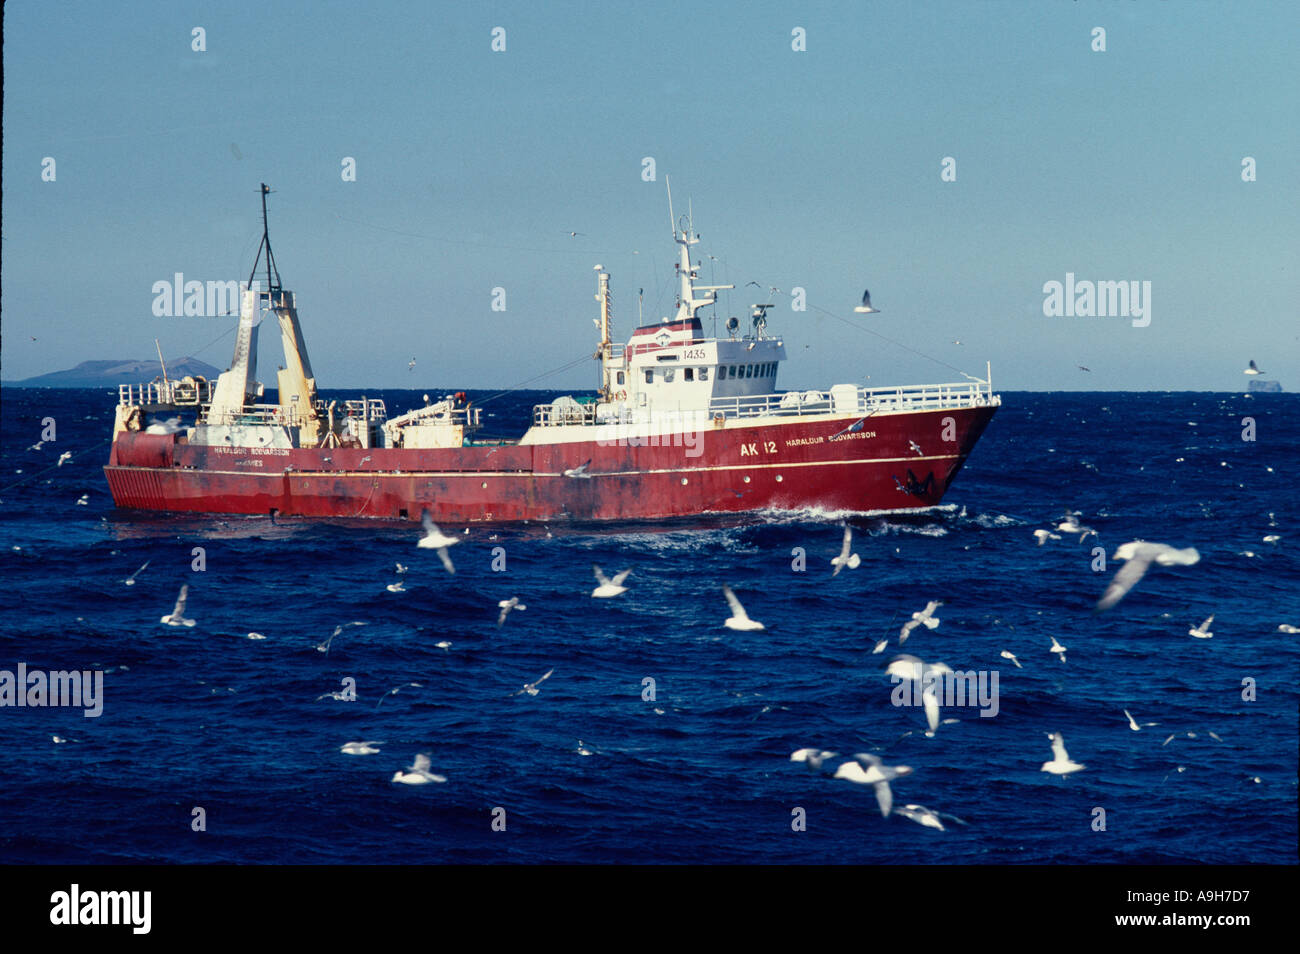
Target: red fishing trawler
x=681, y=425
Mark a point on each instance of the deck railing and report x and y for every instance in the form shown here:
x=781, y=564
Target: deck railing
x=913, y=397
x=171, y=392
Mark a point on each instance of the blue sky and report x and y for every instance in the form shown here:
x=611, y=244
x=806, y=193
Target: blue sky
x=817, y=169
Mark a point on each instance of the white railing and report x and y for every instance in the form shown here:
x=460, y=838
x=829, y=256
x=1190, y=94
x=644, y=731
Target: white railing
x=549, y=414
x=172, y=392
x=913, y=397
x=368, y=409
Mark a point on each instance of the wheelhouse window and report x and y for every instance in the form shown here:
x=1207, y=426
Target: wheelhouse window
x=668, y=374
x=620, y=378
x=649, y=375
x=704, y=374
x=689, y=374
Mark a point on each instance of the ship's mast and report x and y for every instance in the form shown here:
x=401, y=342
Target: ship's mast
x=684, y=235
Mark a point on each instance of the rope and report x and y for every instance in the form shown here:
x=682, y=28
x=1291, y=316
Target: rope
x=39, y=473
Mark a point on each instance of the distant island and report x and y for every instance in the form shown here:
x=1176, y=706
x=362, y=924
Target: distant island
x=95, y=374
x=1268, y=387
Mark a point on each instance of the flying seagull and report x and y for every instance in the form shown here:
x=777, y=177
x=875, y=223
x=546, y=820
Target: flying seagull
x=507, y=606
x=851, y=560
x=924, y=618
x=865, y=308
x=65, y=456
x=927, y=817
x=418, y=773
x=579, y=471
x=177, y=615
x=531, y=687
x=1057, y=648
x=1008, y=654
x=1133, y=724
x=738, y=619
x=1042, y=536
x=395, y=690
x=1139, y=556
x=325, y=646
x=1253, y=369
x=868, y=769
x=435, y=539
x=1061, y=763
x=1082, y=368
x=910, y=667
x=1202, y=631
x=130, y=580
x=360, y=748
x=608, y=588
x=813, y=758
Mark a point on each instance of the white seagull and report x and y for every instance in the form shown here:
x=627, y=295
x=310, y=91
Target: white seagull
x=916, y=448
x=608, y=588
x=325, y=646
x=580, y=471
x=927, y=817
x=1057, y=648
x=130, y=580
x=851, y=560
x=1139, y=556
x=813, y=758
x=865, y=308
x=924, y=618
x=880, y=647
x=1132, y=723
x=911, y=667
x=1061, y=763
x=868, y=769
x=531, y=687
x=1008, y=654
x=507, y=606
x=435, y=539
x=738, y=619
x=65, y=456
x=1287, y=628
x=395, y=690
x=360, y=748
x=1042, y=536
x=397, y=587
x=418, y=773
x=1202, y=631
x=1252, y=369
x=1070, y=524
x=401, y=568
x=177, y=616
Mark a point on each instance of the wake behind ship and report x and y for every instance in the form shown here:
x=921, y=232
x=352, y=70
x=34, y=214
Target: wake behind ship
x=681, y=425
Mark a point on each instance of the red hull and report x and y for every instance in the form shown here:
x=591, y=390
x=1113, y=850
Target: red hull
x=785, y=465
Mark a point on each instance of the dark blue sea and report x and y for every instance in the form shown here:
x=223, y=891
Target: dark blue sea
x=208, y=718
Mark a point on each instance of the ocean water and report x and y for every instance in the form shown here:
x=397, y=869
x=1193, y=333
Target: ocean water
x=208, y=718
